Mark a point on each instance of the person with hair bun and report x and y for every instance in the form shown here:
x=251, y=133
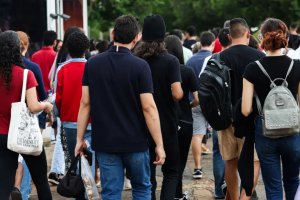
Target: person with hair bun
x=285, y=151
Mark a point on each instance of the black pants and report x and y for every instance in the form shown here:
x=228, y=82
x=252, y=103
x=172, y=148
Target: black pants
x=185, y=135
x=37, y=166
x=169, y=169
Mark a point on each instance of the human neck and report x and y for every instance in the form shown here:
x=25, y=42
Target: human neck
x=239, y=41
x=128, y=46
x=277, y=52
x=293, y=32
x=206, y=48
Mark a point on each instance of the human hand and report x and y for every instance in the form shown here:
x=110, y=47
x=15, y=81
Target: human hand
x=160, y=155
x=80, y=145
x=48, y=107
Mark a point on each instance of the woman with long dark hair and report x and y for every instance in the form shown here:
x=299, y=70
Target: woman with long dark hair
x=11, y=81
x=185, y=119
x=166, y=78
x=279, y=158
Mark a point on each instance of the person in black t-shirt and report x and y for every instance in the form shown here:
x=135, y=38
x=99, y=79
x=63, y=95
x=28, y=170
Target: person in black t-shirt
x=166, y=77
x=117, y=94
x=190, y=37
x=237, y=57
x=279, y=158
x=294, y=38
x=185, y=119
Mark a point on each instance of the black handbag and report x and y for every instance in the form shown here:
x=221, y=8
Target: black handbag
x=71, y=185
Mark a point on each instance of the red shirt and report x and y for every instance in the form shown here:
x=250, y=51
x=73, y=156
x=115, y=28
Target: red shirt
x=11, y=95
x=45, y=58
x=218, y=46
x=69, y=90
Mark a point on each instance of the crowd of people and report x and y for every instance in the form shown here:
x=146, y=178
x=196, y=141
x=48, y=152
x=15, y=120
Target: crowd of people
x=133, y=103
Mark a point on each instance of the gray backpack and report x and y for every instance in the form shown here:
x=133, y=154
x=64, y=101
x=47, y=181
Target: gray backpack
x=280, y=112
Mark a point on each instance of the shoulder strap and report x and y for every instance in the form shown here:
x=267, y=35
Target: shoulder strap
x=25, y=74
x=265, y=72
x=289, y=70
x=258, y=104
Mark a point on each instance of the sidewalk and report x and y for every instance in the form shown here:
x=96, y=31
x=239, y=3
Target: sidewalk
x=202, y=189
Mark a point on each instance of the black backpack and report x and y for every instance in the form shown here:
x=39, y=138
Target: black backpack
x=215, y=94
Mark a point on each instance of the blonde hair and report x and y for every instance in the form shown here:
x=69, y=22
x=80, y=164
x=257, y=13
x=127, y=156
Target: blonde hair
x=24, y=40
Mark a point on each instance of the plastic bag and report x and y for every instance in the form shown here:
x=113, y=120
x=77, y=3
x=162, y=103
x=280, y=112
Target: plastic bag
x=297, y=196
x=88, y=180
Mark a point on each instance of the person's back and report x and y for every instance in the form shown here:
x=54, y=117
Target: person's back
x=207, y=40
x=237, y=57
x=280, y=162
x=163, y=75
x=165, y=71
x=116, y=94
x=11, y=82
x=46, y=56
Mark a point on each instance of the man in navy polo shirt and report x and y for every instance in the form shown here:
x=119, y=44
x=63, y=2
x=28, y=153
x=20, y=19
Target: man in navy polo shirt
x=117, y=93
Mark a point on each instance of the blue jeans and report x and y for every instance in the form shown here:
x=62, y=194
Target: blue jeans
x=218, y=166
x=58, y=159
x=274, y=153
x=112, y=167
x=26, y=182
x=71, y=135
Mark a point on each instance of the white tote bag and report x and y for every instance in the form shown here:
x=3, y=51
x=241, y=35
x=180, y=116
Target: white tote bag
x=24, y=135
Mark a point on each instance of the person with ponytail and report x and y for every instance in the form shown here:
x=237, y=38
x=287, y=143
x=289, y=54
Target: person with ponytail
x=279, y=158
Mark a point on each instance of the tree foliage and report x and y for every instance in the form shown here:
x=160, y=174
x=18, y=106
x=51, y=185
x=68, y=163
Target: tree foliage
x=204, y=14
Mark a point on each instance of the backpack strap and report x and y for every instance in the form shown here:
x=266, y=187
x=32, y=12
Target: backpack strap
x=289, y=70
x=258, y=104
x=265, y=72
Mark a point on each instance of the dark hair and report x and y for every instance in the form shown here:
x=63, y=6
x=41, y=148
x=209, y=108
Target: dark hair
x=126, y=29
x=56, y=45
x=223, y=37
x=238, y=27
x=92, y=45
x=147, y=50
x=253, y=42
x=216, y=31
x=174, y=47
x=102, y=46
x=49, y=38
x=177, y=33
x=294, y=25
x=63, y=52
x=10, y=55
x=77, y=44
x=274, y=32
x=191, y=30
x=206, y=38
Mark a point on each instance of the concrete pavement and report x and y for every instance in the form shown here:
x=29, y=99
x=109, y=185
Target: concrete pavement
x=202, y=189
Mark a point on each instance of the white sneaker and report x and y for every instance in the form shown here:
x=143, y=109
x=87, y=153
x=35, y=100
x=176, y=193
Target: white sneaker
x=127, y=184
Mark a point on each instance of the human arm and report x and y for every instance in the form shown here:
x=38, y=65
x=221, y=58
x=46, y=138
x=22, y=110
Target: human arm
x=247, y=97
x=195, y=101
x=59, y=90
x=83, y=119
x=175, y=79
x=177, y=91
x=34, y=105
x=152, y=120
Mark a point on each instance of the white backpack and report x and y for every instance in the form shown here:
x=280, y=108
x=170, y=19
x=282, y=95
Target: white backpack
x=281, y=111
